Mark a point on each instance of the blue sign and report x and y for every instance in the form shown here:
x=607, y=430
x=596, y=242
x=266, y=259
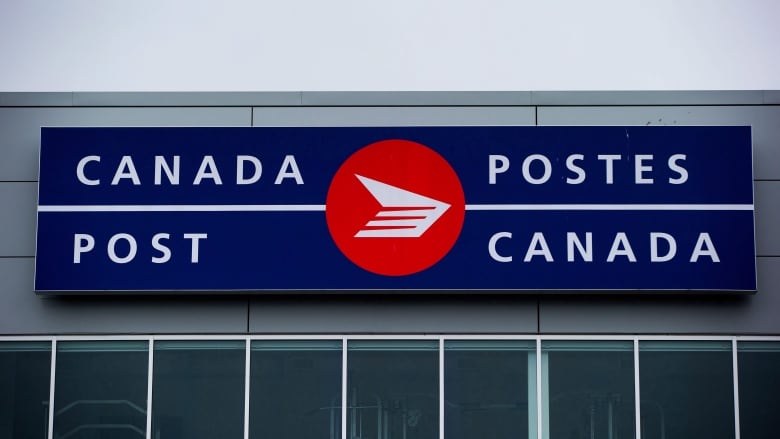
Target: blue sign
x=395, y=208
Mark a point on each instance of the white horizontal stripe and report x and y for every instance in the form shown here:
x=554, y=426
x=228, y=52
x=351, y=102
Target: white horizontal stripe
x=505, y=207
x=190, y=208
x=321, y=207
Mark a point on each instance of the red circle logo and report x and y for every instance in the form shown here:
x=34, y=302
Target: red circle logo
x=395, y=207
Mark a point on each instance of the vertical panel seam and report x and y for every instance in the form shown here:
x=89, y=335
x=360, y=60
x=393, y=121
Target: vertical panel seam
x=344, y=388
x=247, y=376
x=441, y=388
x=52, y=382
x=149, y=388
x=637, y=397
x=735, y=376
x=539, y=388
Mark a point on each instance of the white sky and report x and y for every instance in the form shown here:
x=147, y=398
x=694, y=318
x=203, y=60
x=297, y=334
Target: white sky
x=231, y=45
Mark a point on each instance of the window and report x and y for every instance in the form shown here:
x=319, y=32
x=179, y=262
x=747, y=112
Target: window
x=198, y=389
x=295, y=389
x=24, y=389
x=589, y=388
x=100, y=390
x=687, y=389
x=489, y=389
x=415, y=388
x=759, y=389
x=393, y=389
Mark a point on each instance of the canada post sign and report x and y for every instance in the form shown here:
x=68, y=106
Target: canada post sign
x=401, y=208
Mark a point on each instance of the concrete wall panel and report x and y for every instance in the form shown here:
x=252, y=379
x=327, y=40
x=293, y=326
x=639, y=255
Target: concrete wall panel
x=663, y=313
x=416, y=98
x=392, y=116
x=178, y=99
x=24, y=312
x=648, y=97
x=454, y=314
x=766, y=196
x=17, y=218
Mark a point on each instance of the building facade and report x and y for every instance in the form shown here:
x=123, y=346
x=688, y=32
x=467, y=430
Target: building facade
x=462, y=364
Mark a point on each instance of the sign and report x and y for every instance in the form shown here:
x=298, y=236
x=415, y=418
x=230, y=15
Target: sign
x=396, y=208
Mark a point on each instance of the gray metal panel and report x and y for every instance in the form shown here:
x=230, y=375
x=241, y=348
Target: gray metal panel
x=31, y=99
x=407, y=98
x=26, y=313
x=772, y=97
x=667, y=314
x=17, y=218
x=473, y=313
x=20, y=128
x=185, y=99
x=393, y=116
x=417, y=98
x=702, y=97
x=767, y=218
x=765, y=121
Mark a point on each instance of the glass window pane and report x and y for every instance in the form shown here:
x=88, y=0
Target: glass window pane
x=295, y=389
x=24, y=389
x=198, y=389
x=100, y=389
x=393, y=389
x=589, y=388
x=687, y=389
x=759, y=389
x=489, y=389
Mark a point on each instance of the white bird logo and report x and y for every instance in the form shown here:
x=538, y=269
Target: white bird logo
x=404, y=214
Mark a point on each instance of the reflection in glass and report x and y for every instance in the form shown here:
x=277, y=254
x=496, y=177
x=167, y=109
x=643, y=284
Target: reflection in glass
x=687, y=389
x=489, y=389
x=198, y=389
x=100, y=390
x=295, y=389
x=393, y=389
x=590, y=389
x=24, y=389
x=759, y=389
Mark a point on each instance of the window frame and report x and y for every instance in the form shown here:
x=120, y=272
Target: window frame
x=542, y=433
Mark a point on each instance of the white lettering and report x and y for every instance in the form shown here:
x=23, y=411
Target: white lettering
x=208, y=169
x=527, y=169
x=621, y=247
x=82, y=243
x=640, y=169
x=575, y=169
x=80, y=170
x=678, y=169
x=654, y=256
x=240, y=178
x=608, y=159
x=195, y=237
x=160, y=166
x=586, y=251
x=112, y=248
x=126, y=169
x=162, y=248
x=492, y=247
x=289, y=169
x=538, y=247
x=704, y=241
x=497, y=164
